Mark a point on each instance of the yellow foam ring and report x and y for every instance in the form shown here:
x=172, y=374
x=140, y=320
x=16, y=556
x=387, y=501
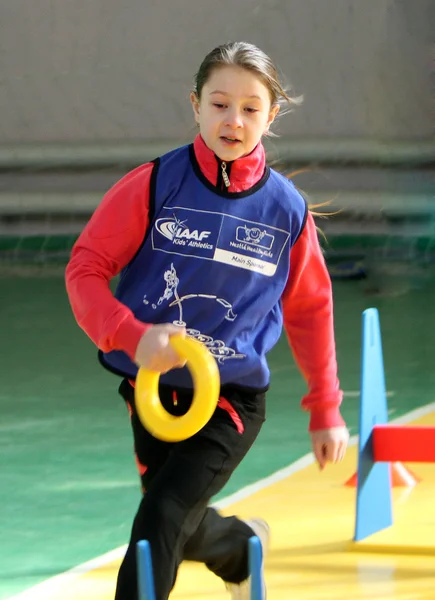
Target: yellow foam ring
x=206, y=381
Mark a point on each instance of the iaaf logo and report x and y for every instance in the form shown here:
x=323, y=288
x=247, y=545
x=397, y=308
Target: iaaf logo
x=178, y=232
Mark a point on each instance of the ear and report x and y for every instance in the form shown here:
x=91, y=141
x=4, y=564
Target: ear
x=272, y=116
x=194, y=100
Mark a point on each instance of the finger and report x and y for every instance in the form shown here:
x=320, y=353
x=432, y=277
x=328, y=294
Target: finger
x=344, y=444
x=175, y=359
x=173, y=356
x=163, y=368
x=176, y=330
x=167, y=361
x=342, y=452
x=319, y=454
x=332, y=450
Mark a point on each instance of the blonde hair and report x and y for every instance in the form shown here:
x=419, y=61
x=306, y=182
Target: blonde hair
x=313, y=208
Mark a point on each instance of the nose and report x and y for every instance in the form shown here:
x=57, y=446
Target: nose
x=234, y=119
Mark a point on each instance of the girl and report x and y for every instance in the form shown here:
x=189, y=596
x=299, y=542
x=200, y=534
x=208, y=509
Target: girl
x=210, y=243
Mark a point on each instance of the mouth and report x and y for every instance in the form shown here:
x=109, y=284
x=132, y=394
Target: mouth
x=230, y=140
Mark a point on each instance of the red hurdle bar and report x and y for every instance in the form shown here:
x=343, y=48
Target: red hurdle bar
x=403, y=443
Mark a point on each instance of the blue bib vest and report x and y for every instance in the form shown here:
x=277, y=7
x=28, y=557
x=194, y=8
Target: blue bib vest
x=215, y=262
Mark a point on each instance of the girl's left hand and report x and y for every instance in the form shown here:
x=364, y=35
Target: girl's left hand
x=329, y=445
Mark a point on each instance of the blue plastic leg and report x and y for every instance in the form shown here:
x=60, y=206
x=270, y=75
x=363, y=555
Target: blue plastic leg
x=256, y=569
x=145, y=571
x=373, y=507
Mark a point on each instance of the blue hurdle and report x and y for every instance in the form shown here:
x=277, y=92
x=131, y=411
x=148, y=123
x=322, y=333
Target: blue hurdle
x=146, y=580
x=145, y=571
x=255, y=564
x=373, y=477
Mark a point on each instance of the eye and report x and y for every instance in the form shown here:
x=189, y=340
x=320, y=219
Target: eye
x=251, y=110
x=218, y=105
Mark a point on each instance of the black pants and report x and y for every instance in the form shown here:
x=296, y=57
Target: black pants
x=179, y=480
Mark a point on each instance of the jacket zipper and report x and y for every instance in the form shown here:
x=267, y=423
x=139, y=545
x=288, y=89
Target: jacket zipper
x=223, y=179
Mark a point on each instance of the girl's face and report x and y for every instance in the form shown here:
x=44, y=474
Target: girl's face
x=234, y=111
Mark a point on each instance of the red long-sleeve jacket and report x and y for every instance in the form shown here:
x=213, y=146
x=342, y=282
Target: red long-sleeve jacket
x=117, y=229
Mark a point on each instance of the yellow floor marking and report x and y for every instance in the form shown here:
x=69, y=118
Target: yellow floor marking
x=312, y=519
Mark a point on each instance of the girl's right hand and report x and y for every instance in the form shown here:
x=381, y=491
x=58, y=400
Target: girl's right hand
x=154, y=351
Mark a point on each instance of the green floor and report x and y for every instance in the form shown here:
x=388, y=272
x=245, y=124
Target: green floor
x=68, y=481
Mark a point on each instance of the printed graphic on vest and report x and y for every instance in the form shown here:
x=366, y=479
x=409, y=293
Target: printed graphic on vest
x=224, y=238
x=254, y=235
x=218, y=348
x=187, y=232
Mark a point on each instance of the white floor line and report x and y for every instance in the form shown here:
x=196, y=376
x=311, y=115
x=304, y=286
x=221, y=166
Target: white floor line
x=37, y=591
x=357, y=393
